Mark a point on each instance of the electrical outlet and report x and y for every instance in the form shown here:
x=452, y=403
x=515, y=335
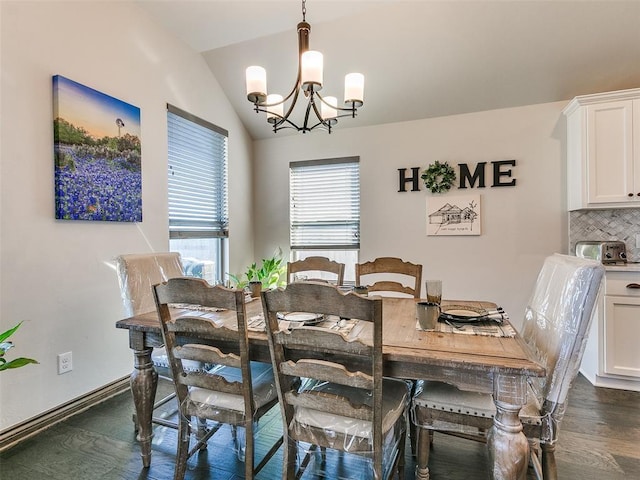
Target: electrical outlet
x=637, y=240
x=65, y=363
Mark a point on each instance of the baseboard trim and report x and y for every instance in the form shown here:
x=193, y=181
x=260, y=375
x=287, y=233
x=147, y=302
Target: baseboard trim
x=31, y=427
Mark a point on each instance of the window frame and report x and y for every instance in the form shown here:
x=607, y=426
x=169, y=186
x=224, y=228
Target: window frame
x=213, y=222
x=336, y=251
x=342, y=219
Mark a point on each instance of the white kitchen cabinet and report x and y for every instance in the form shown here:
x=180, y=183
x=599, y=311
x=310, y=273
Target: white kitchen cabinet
x=612, y=355
x=603, y=150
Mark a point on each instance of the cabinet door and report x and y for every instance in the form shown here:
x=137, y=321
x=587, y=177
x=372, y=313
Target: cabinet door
x=622, y=335
x=610, y=153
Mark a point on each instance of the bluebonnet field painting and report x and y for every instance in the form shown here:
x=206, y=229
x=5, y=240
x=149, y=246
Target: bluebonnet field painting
x=98, y=173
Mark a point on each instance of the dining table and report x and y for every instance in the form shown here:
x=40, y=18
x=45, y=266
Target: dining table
x=499, y=365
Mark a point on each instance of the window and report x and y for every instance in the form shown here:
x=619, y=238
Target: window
x=325, y=210
x=197, y=181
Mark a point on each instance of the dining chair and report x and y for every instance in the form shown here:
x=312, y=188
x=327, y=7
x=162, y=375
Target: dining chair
x=238, y=392
x=386, y=271
x=137, y=273
x=316, y=265
x=344, y=403
x=555, y=328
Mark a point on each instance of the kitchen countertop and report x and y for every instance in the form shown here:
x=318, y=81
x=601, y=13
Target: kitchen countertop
x=629, y=267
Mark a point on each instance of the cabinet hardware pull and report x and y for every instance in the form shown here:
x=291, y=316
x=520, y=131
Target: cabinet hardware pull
x=630, y=195
x=633, y=285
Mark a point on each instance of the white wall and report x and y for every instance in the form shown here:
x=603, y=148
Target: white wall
x=58, y=276
x=520, y=225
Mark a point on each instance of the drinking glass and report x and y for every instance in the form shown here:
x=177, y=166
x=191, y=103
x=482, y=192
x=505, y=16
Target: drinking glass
x=434, y=291
x=428, y=313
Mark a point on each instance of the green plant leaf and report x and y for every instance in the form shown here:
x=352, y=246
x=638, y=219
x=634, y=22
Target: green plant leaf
x=5, y=346
x=17, y=362
x=8, y=333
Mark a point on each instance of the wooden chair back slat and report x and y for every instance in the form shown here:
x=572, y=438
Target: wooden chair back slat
x=199, y=294
x=337, y=405
x=212, y=382
x=323, y=340
x=316, y=264
x=207, y=354
x=390, y=286
x=201, y=326
x=392, y=266
x=327, y=371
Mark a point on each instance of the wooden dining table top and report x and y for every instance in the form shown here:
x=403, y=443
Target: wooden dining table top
x=403, y=343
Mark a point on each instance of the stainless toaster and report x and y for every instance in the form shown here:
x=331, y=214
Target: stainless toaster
x=603, y=251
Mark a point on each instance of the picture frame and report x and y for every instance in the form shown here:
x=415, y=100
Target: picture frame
x=97, y=152
x=454, y=215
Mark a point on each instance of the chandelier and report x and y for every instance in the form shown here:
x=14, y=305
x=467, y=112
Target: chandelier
x=309, y=82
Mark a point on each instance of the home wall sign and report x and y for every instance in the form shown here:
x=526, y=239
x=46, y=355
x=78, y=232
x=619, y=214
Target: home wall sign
x=98, y=170
x=500, y=171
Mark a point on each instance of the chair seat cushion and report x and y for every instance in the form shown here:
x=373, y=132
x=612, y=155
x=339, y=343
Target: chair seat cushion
x=446, y=397
x=264, y=388
x=395, y=399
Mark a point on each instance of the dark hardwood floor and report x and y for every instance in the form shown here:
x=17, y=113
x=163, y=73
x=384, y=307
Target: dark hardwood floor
x=600, y=439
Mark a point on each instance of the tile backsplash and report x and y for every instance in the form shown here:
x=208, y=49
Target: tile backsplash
x=618, y=224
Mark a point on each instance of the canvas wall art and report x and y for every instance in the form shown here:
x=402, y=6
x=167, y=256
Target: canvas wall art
x=459, y=215
x=98, y=169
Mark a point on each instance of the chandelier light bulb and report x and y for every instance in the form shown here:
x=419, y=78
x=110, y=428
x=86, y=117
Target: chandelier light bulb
x=311, y=66
x=329, y=108
x=256, y=78
x=354, y=88
x=274, y=107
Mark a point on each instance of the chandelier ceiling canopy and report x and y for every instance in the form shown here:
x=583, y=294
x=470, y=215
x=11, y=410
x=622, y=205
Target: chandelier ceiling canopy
x=320, y=112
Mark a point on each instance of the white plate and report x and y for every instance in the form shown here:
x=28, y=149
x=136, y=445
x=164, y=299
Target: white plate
x=304, y=317
x=463, y=313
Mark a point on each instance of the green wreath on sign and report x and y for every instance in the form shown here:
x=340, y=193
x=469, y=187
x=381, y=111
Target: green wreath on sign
x=439, y=177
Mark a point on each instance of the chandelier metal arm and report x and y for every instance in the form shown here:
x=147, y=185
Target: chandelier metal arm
x=352, y=110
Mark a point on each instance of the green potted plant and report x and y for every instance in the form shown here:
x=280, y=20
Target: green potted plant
x=5, y=346
x=267, y=275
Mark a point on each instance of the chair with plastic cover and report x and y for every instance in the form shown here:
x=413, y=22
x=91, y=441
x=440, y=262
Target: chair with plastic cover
x=344, y=403
x=237, y=392
x=137, y=273
x=317, y=265
x=386, y=271
x=555, y=327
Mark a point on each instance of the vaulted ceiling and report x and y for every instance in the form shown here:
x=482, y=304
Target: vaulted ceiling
x=420, y=58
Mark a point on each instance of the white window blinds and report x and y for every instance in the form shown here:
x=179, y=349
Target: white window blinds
x=325, y=204
x=197, y=177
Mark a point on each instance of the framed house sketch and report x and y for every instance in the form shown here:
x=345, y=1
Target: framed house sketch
x=459, y=215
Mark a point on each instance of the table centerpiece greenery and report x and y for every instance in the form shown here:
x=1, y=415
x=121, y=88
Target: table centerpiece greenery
x=269, y=274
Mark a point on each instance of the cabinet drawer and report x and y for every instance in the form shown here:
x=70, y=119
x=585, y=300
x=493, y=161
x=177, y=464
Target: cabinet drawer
x=621, y=283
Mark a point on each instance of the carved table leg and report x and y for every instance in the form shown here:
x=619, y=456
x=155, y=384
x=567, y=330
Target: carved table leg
x=422, y=454
x=549, y=468
x=508, y=446
x=144, y=382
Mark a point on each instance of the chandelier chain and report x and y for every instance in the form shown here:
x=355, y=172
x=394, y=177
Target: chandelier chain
x=304, y=10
